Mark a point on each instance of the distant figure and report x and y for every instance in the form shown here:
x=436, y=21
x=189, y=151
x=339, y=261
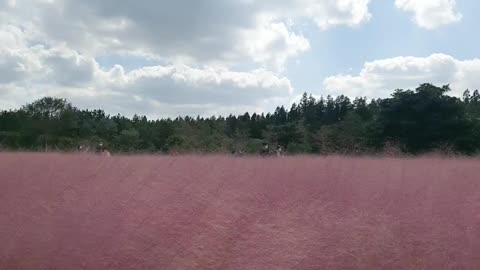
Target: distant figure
x=279, y=151
x=83, y=149
x=265, y=149
x=102, y=150
x=100, y=147
x=237, y=152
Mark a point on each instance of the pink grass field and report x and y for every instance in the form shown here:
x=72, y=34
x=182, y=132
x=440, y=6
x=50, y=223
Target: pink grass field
x=215, y=212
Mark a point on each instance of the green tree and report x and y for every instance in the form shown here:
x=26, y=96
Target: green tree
x=128, y=140
x=424, y=119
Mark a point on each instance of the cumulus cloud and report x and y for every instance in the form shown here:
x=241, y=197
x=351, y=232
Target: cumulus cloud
x=21, y=63
x=216, y=56
x=271, y=37
x=16, y=62
x=66, y=67
x=13, y=66
x=189, y=31
x=182, y=84
x=331, y=12
x=379, y=78
x=431, y=14
x=30, y=72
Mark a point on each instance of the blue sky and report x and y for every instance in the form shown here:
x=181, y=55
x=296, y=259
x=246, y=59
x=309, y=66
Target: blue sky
x=169, y=58
x=389, y=33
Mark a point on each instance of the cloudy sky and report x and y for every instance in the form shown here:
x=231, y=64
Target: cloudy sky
x=203, y=57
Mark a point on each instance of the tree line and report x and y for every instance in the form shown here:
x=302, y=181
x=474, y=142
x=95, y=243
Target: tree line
x=411, y=121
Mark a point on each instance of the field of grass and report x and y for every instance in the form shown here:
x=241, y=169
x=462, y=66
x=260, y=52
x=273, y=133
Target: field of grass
x=216, y=212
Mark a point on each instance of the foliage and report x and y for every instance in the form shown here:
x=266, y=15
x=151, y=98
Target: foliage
x=417, y=121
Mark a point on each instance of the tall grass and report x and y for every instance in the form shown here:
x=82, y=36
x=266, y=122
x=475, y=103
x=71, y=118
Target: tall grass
x=63, y=211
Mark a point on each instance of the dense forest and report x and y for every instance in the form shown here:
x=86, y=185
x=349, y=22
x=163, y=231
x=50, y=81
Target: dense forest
x=411, y=121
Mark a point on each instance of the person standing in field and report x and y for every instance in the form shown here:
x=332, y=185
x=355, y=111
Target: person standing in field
x=265, y=149
x=279, y=151
x=102, y=150
x=106, y=153
x=100, y=147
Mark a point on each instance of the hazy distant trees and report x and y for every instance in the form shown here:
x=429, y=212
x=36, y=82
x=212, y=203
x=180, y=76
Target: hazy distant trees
x=417, y=121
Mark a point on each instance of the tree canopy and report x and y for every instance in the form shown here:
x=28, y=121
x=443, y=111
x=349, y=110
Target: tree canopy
x=417, y=121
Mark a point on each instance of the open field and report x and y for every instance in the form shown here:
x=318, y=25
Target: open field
x=87, y=212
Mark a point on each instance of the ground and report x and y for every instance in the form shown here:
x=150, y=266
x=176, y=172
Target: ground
x=215, y=212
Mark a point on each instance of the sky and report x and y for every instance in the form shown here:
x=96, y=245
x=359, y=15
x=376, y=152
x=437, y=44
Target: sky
x=218, y=57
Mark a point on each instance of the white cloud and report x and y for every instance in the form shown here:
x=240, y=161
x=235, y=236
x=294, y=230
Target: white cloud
x=230, y=32
x=66, y=67
x=20, y=63
x=158, y=91
x=14, y=66
x=216, y=56
x=332, y=12
x=271, y=37
x=379, y=78
x=431, y=14
x=181, y=84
